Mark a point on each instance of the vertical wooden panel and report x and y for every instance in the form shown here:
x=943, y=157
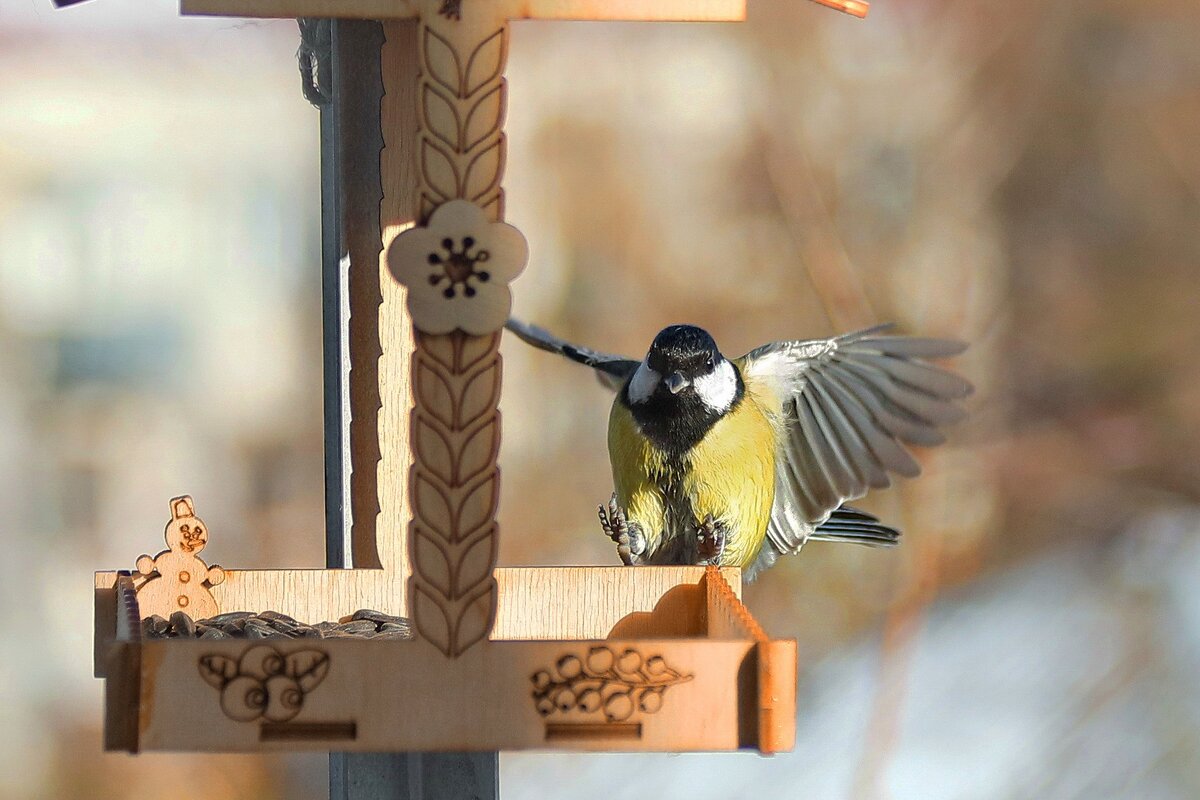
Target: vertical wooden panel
x=105, y=628
x=455, y=480
x=358, y=91
x=122, y=697
x=776, y=695
x=397, y=165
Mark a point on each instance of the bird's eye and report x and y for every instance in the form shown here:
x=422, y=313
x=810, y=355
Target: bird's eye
x=710, y=363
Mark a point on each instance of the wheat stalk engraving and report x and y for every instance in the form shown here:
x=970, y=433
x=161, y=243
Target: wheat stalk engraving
x=454, y=481
x=455, y=488
x=462, y=101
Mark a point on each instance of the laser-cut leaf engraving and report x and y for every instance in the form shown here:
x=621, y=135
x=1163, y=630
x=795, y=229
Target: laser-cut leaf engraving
x=263, y=682
x=432, y=447
x=483, y=171
x=307, y=667
x=434, y=392
x=440, y=61
x=477, y=449
x=217, y=670
x=463, y=97
x=434, y=506
x=484, y=118
x=482, y=391
x=439, y=170
x=456, y=376
x=441, y=119
x=435, y=564
x=477, y=559
x=454, y=483
x=476, y=617
x=478, y=506
x=431, y=618
x=486, y=63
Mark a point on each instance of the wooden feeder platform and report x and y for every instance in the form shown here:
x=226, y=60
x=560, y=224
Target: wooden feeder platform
x=584, y=658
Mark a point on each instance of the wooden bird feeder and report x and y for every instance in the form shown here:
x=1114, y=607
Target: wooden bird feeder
x=578, y=658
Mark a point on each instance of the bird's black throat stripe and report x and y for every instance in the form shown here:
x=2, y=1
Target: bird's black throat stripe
x=675, y=423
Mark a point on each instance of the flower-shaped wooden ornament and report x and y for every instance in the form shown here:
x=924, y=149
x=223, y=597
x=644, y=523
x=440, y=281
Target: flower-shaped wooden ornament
x=457, y=269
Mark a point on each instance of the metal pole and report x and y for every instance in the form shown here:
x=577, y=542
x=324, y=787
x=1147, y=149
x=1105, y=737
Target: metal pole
x=414, y=776
x=334, y=370
x=344, y=56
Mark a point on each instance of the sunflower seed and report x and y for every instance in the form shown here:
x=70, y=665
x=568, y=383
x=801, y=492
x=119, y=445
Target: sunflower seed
x=362, y=624
x=183, y=625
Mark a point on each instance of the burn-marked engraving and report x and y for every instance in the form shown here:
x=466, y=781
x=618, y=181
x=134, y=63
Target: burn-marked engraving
x=615, y=686
x=177, y=579
x=268, y=685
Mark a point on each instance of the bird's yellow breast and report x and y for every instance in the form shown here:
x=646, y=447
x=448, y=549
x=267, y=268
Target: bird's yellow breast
x=729, y=473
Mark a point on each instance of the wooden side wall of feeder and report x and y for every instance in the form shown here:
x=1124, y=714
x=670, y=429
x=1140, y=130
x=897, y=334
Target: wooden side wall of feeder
x=736, y=687
x=492, y=707
x=771, y=687
x=122, y=658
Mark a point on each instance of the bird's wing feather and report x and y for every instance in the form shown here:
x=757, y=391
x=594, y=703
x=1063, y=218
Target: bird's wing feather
x=611, y=370
x=849, y=405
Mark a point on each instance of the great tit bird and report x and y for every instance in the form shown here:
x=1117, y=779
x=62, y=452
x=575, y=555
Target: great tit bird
x=736, y=462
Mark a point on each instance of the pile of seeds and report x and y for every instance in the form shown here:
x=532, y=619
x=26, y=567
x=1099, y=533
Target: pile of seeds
x=362, y=624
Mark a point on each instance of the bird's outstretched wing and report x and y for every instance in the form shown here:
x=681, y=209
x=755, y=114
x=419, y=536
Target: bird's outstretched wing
x=850, y=404
x=611, y=370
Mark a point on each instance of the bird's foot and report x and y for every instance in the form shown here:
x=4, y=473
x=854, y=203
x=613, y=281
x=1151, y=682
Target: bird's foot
x=451, y=9
x=630, y=541
x=710, y=541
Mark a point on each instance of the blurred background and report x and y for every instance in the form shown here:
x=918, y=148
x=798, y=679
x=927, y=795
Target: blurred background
x=1022, y=175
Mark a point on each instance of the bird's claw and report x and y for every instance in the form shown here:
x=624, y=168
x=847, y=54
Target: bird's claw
x=630, y=541
x=710, y=541
x=451, y=9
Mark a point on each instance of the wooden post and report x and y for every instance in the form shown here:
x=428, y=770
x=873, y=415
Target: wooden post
x=351, y=192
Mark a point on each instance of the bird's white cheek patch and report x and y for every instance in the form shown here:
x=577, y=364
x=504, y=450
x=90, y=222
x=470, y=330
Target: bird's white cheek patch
x=643, y=383
x=718, y=388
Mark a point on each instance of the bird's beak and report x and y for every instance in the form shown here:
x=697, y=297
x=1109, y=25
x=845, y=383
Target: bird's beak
x=676, y=382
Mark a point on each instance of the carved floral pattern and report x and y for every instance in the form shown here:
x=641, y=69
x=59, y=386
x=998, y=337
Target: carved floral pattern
x=616, y=685
x=457, y=269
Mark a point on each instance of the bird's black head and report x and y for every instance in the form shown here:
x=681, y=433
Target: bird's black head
x=683, y=387
x=683, y=349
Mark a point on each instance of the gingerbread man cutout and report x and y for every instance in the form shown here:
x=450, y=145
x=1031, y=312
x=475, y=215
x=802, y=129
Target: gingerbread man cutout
x=176, y=580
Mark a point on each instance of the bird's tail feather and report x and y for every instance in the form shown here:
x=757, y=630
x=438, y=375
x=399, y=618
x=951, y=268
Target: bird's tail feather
x=848, y=524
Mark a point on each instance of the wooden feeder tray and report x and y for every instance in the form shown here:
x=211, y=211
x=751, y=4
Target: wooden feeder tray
x=584, y=658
